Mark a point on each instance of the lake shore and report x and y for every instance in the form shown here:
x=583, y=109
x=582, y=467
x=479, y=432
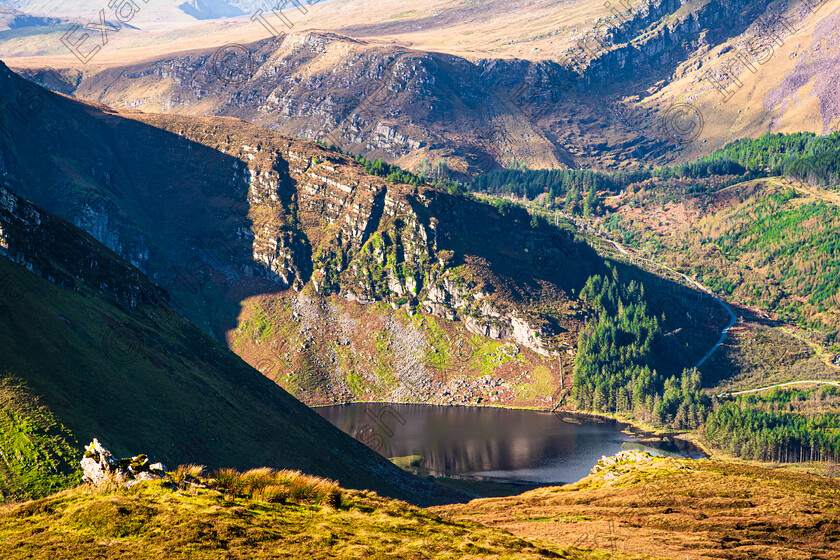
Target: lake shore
x=637, y=427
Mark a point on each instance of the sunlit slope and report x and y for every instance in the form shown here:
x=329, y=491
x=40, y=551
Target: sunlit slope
x=668, y=508
x=287, y=521
x=549, y=84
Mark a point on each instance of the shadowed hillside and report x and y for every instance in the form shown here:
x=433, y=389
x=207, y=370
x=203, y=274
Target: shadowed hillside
x=88, y=347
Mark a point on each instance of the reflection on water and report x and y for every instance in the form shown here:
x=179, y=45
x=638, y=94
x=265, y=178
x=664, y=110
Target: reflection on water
x=513, y=445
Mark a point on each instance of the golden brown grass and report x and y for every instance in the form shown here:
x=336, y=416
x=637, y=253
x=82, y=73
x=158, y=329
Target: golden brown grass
x=674, y=508
x=157, y=520
x=662, y=508
x=265, y=484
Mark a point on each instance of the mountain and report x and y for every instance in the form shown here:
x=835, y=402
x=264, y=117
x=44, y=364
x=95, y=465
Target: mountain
x=14, y=19
x=90, y=348
x=198, y=9
x=209, y=9
x=384, y=101
x=591, y=87
x=337, y=284
x=135, y=19
x=47, y=6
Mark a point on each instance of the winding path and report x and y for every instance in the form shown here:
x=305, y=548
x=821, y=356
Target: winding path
x=701, y=287
x=789, y=383
x=732, y=319
x=619, y=247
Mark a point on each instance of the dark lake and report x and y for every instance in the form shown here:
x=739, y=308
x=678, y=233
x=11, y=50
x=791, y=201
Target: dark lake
x=491, y=443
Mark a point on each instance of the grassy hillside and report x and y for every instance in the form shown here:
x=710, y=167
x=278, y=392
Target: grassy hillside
x=634, y=506
x=95, y=352
x=754, y=221
x=677, y=508
x=767, y=243
x=39, y=453
x=155, y=521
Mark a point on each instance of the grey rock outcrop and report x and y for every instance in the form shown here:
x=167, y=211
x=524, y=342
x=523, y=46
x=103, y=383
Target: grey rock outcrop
x=629, y=456
x=100, y=466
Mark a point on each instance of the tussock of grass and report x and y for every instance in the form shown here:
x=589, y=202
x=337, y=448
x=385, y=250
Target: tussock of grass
x=186, y=474
x=265, y=484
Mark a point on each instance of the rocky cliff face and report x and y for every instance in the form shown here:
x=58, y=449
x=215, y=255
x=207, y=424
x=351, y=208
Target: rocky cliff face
x=316, y=221
x=55, y=251
x=657, y=39
x=579, y=107
x=403, y=105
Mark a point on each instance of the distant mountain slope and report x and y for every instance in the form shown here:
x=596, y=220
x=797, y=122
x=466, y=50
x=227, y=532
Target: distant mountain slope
x=14, y=19
x=379, y=100
x=142, y=15
x=605, y=87
x=199, y=9
x=209, y=9
x=89, y=348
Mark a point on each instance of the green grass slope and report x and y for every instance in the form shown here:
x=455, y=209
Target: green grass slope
x=38, y=452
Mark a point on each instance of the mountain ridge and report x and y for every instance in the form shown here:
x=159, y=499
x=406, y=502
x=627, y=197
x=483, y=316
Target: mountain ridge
x=612, y=88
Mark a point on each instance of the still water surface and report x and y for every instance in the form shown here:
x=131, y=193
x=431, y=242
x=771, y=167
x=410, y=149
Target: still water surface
x=490, y=443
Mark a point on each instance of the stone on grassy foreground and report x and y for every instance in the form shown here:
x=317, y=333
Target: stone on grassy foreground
x=631, y=456
x=100, y=466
